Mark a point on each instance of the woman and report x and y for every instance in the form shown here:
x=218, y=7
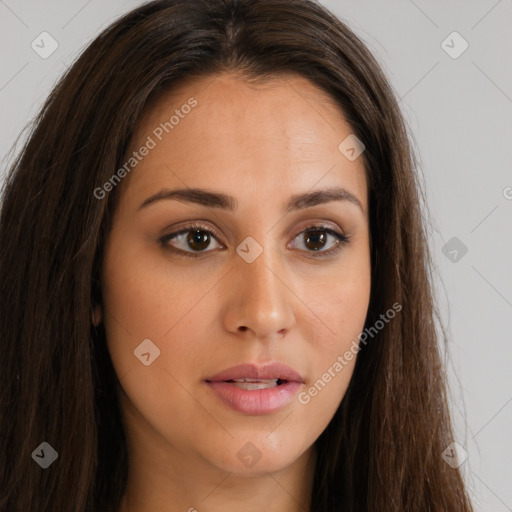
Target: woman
x=216, y=280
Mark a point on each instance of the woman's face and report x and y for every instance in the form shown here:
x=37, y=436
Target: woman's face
x=264, y=282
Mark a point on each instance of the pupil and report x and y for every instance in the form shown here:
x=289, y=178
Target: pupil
x=316, y=237
x=197, y=236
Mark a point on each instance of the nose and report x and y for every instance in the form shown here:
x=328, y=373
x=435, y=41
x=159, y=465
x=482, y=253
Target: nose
x=261, y=301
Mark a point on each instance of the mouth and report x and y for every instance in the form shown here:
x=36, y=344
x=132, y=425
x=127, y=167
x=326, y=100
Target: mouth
x=252, y=384
x=255, y=390
x=270, y=374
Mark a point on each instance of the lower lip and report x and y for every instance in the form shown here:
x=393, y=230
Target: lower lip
x=258, y=401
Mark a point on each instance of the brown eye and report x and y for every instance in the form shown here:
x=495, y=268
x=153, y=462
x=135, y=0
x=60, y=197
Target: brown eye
x=195, y=240
x=198, y=239
x=190, y=241
x=316, y=238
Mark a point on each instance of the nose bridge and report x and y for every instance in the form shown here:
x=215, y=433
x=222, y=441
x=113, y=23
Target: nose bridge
x=265, y=300
x=259, y=275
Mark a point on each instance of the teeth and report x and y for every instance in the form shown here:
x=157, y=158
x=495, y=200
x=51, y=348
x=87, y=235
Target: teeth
x=245, y=379
x=254, y=384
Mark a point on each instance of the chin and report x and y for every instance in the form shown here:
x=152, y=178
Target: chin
x=260, y=468
x=249, y=460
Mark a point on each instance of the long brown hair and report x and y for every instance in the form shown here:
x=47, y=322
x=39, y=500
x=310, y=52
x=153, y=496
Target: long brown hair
x=382, y=450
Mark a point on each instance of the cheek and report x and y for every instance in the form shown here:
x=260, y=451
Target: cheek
x=340, y=301
x=143, y=299
x=344, y=310
x=133, y=305
x=334, y=319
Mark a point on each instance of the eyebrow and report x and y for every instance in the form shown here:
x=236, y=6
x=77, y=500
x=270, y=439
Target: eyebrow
x=226, y=202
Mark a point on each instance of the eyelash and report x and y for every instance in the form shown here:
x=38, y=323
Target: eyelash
x=342, y=240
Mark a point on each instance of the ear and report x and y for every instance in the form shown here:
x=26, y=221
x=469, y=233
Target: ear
x=97, y=315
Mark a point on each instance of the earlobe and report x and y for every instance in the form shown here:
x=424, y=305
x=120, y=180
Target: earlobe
x=96, y=315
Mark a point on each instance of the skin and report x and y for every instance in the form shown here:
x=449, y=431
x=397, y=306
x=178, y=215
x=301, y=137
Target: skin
x=260, y=144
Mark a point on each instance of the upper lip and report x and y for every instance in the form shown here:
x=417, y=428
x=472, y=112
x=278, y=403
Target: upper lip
x=253, y=371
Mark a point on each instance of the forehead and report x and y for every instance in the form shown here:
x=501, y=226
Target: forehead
x=279, y=137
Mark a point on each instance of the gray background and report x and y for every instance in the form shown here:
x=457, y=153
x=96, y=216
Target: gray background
x=459, y=111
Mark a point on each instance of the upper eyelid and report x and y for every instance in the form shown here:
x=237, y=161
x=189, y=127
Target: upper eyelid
x=315, y=225
x=197, y=225
x=186, y=229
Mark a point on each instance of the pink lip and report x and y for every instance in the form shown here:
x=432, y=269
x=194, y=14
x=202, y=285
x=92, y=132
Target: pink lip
x=260, y=401
x=252, y=371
